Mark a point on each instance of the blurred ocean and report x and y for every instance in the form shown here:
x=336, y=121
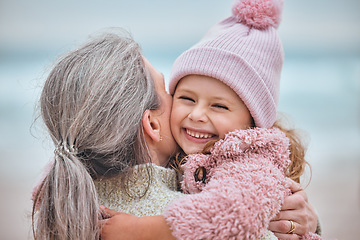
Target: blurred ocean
x=320, y=87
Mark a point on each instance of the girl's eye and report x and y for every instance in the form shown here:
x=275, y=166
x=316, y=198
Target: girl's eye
x=221, y=106
x=186, y=98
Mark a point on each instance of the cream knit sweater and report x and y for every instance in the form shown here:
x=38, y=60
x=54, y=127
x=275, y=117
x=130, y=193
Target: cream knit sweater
x=161, y=191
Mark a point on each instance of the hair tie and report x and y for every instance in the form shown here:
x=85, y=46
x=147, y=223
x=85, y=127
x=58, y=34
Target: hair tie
x=62, y=148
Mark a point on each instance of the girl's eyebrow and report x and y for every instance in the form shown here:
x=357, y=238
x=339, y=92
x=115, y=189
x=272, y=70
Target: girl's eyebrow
x=224, y=100
x=219, y=98
x=185, y=89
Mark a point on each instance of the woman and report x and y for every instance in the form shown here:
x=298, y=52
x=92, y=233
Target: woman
x=107, y=112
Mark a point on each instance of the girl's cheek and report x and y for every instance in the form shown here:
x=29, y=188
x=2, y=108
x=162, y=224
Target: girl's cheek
x=173, y=123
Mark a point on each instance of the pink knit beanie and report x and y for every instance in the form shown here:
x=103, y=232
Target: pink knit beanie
x=245, y=52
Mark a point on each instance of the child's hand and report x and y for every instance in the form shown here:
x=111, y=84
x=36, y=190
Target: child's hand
x=297, y=209
x=118, y=225
x=130, y=227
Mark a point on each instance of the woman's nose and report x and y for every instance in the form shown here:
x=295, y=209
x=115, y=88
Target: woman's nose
x=198, y=114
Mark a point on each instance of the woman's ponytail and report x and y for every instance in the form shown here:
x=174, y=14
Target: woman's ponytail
x=66, y=206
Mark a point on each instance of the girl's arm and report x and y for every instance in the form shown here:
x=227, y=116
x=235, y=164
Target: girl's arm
x=239, y=200
x=120, y=226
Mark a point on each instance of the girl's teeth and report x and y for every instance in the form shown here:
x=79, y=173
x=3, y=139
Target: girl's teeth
x=197, y=135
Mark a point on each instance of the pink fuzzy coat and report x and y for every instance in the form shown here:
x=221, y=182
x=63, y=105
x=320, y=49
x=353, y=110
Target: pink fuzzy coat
x=235, y=191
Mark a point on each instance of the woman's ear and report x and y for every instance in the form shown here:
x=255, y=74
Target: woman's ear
x=151, y=125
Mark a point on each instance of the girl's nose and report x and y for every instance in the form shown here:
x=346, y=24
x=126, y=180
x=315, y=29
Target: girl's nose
x=198, y=114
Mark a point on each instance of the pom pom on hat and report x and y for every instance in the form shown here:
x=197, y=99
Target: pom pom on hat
x=259, y=14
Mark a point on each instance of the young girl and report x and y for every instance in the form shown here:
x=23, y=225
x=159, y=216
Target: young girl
x=230, y=81
x=226, y=88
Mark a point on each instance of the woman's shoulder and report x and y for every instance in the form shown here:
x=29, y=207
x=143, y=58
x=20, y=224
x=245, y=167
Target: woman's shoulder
x=150, y=189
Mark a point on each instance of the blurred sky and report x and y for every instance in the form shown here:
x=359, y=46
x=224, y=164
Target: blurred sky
x=320, y=86
x=308, y=25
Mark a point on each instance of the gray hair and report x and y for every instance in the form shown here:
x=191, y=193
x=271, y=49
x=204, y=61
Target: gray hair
x=92, y=104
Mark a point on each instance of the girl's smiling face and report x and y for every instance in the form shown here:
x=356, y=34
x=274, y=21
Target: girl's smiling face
x=205, y=109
